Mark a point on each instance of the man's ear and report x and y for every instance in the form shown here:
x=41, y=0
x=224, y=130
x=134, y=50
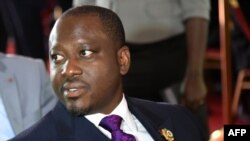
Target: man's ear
x=124, y=59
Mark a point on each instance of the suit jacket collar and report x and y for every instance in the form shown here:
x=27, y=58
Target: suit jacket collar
x=153, y=124
x=10, y=96
x=71, y=127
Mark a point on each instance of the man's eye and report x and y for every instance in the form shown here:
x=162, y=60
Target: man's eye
x=86, y=53
x=57, y=57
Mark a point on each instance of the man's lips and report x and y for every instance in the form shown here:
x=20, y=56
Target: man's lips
x=74, y=90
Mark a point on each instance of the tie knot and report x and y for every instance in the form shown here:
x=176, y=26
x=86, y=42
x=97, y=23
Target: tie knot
x=111, y=123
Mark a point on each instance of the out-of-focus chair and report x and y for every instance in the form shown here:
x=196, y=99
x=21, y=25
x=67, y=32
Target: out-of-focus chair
x=243, y=81
x=220, y=59
x=241, y=84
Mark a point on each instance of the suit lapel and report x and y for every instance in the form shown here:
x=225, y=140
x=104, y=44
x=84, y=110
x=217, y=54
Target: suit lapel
x=75, y=128
x=87, y=131
x=153, y=124
x=10, y=96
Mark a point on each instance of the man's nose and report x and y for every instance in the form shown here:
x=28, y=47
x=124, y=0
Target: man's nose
x=71, y=68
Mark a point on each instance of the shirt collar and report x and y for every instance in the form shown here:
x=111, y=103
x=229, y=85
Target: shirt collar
x=121, y=110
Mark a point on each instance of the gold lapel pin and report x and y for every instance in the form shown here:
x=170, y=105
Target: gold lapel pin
x=167, y=134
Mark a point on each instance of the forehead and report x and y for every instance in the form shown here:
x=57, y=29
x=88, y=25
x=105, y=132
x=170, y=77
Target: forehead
x=90, y=20
x=72, y=27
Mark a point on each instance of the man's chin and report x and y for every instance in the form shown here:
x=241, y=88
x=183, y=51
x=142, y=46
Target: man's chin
x=77, y=110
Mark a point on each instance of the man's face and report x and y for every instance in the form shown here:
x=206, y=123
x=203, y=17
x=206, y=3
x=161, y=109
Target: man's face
x=86, y=65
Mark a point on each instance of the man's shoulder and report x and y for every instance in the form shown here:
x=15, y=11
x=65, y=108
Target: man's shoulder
x=171, y=116
x=10, y=63
x=156, y=105
x=162, y=110
x=13, y=58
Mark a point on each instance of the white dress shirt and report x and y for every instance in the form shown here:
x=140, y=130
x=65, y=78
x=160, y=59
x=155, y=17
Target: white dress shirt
x=130, y=123
x=6, y=131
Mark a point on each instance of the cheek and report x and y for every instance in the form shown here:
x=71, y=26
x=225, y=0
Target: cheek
x=104, y=78
x=97, y=77
x=102, y=73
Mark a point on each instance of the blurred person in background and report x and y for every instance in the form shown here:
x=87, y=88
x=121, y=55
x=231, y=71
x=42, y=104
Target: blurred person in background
x=25, y=93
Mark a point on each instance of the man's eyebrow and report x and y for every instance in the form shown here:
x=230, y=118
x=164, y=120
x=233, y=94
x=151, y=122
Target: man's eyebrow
x=55, y=47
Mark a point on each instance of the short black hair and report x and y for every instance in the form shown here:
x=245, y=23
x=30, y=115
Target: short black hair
x=111, y=22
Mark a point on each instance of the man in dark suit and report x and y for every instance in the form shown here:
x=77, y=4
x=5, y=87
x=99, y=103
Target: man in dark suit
x=88, y=59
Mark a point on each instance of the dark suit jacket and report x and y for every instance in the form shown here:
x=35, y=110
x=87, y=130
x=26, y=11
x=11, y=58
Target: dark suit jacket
x=59, y=125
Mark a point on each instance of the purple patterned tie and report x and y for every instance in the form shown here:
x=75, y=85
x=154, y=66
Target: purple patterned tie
x=112, y=124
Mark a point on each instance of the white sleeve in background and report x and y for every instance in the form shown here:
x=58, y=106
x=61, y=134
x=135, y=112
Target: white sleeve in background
x=102, y=3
